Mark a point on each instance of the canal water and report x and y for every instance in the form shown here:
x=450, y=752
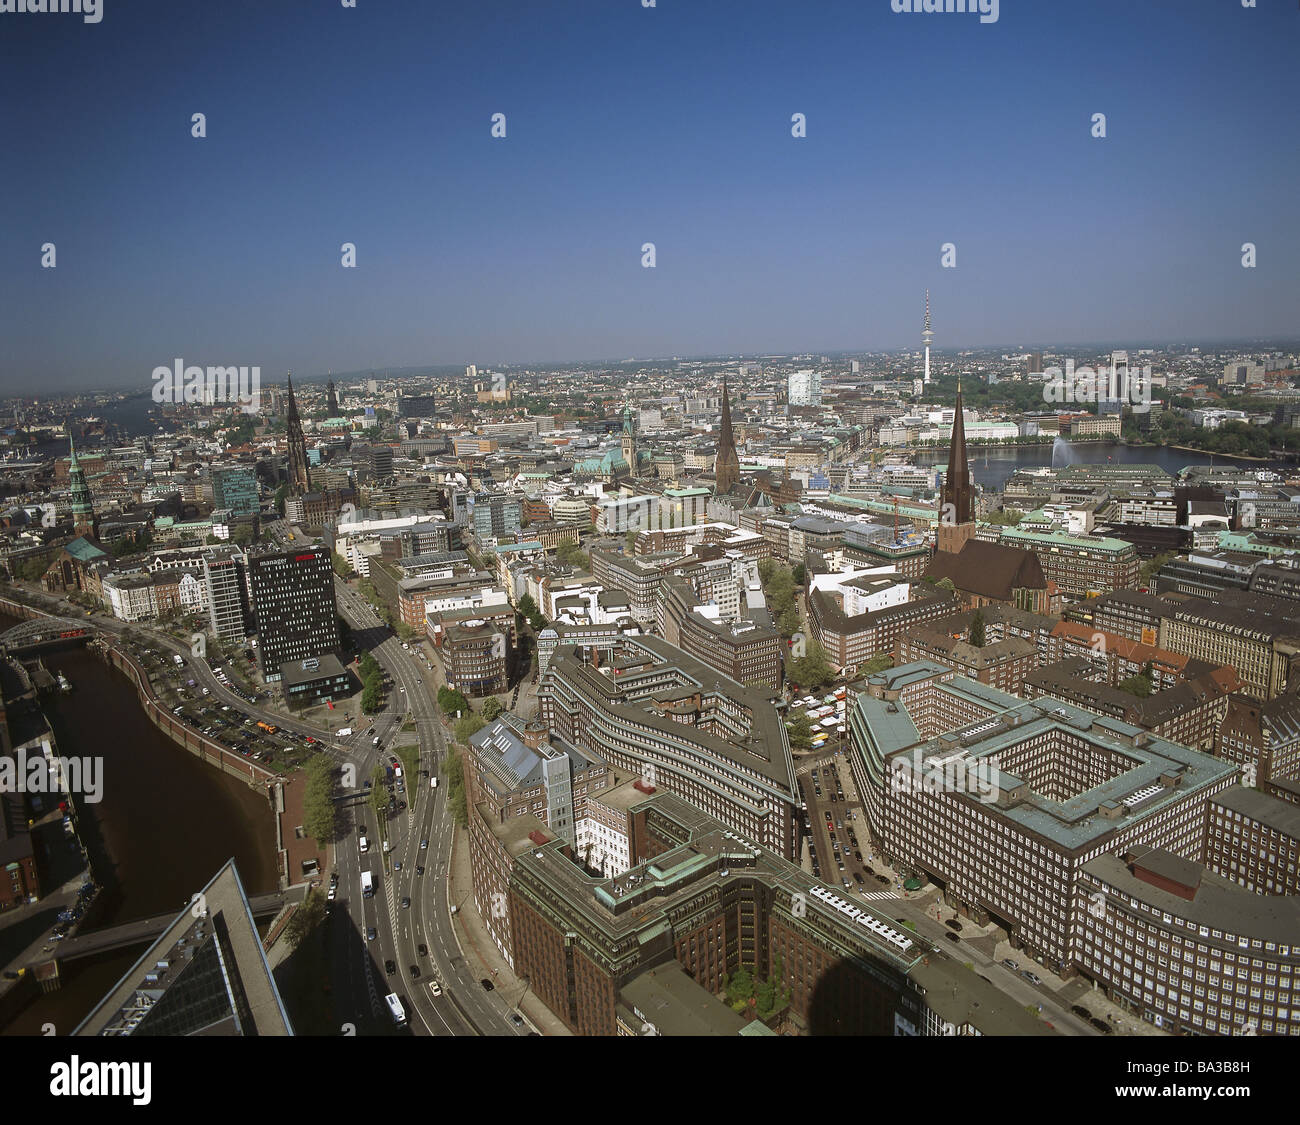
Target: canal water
x=166, y=823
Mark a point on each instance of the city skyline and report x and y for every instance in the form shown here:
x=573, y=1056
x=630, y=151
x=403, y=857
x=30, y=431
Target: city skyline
x=527, y=248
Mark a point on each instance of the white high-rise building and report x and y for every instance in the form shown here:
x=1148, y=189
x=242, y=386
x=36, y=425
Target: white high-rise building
x=805, y=388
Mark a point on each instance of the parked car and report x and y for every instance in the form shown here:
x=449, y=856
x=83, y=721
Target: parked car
x=488, y=986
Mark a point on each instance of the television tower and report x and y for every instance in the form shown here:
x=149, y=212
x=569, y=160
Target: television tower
x=926, y=337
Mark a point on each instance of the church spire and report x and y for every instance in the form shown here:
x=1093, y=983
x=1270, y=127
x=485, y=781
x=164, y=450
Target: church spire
x=726, y=466
x=957, y=498
x=299, y=475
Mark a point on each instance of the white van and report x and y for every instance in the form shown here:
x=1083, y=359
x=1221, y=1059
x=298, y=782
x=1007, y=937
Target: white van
x=364, y=843
x=343, y=732
x=433, y=783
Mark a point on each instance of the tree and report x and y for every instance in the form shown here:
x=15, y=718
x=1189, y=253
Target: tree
x=977, y=630
x=468, y=726
x=1152, y=566
x=740, y=988
x=789, y=621
x=491, y=708
x=946, y=584
x=368, y=665
x=800, y=575
x=372, y=695
x=309, y=915
x=876, y=664
x=812, y=670
x=800, y=731
x=527, y=606
x=451, y=700
x=1138, y=685
x=320, y=814
x=341, y=566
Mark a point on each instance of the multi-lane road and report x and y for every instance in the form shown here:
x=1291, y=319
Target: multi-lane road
x=422, y=878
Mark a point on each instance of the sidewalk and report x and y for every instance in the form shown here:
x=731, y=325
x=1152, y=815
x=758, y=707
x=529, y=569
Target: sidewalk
x=481, y=955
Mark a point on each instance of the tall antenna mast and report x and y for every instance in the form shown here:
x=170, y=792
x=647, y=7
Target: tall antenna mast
x=927, y=336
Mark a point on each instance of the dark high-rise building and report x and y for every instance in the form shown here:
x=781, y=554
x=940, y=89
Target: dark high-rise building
x=1034, y=364
x=957, y=498
x=205, y=975
x=83, y=507
x=292, y=598
x=332, y=400
x=299, y=477
x=726, y=466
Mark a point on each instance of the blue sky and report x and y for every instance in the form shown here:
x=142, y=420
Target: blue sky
x=627, y=125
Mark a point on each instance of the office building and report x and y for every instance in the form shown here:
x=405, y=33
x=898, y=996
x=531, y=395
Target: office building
x=227, y=593
x=291, y=594
x=205, y=976
x=495, y=515
x=1002, y=801
x=647, y=706
x=236, y=488
x=805, y=388
x=1184, y=948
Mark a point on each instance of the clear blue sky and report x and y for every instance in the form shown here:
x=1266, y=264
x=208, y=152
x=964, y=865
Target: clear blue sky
x=627, y=125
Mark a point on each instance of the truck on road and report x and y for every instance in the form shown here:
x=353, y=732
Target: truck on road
x=395, y=1009
x=343, y=732
x=367, y=885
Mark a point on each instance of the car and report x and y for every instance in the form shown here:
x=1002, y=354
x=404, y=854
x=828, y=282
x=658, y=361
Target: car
x=516, y=1019
x=951, y=936
x=390, y=967
x=1032, y=978
x=1080, y=1011
x=435, y=988
x=488, y=986
x=333, y=894
x=401, y=806
x=857, y=855
x=1102, y=1026
x=397, y=865
x=419, y=870
x=419, y=681
x=370, y=933
x=1010, y=964
x=424, y=844
x=953, y=923
x=857, y=875
x=406, y=903
x=422, y=949
x=334, y=877
x=415, y=971
x=883, y=879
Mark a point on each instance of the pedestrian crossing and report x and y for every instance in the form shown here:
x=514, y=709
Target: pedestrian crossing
x=876, y=896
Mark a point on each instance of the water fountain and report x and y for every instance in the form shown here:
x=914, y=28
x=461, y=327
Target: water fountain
x=1062, y=454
